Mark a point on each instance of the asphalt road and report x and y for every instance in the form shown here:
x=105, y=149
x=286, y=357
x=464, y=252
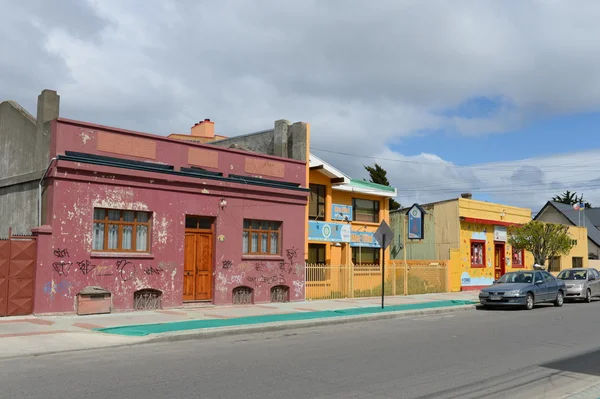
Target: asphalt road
x=543, y=353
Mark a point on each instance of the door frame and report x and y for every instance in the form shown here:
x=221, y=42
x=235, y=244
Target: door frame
x=502, y=258
x=210, y=231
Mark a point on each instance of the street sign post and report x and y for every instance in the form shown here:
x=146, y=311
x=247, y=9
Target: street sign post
x=384, y=235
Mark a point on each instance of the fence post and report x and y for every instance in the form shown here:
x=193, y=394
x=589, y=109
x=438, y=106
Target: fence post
x=351, y=279
x=392, y=266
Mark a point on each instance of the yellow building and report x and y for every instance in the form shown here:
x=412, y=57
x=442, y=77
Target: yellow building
x=582, y=227
x=577, y=257
x=343, y=214
x=483, y=254
x=472, y=236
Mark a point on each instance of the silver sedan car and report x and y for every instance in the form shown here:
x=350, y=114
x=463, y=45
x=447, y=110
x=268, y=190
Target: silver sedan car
x=581, y=283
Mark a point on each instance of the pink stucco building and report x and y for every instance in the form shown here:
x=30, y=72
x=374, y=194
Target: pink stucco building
x=154, y=219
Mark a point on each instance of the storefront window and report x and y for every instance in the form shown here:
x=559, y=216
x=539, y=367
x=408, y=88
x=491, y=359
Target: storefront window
x=365, y=256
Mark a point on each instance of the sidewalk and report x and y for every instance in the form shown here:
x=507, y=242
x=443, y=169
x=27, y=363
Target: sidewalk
x=33, y=335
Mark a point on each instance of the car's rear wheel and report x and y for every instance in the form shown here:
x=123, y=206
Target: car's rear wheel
x=588, y=296
x=529, y=302
x=559, y=299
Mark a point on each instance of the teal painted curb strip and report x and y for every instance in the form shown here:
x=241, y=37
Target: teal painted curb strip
x=147, y=329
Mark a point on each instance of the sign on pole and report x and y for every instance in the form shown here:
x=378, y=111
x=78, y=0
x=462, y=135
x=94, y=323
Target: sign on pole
x=416, y=222
x=384, y=236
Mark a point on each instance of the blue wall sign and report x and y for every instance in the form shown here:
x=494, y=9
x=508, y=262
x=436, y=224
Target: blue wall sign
x=364, y=239
x=416, y=222
x=341, y=212
x=329, y=232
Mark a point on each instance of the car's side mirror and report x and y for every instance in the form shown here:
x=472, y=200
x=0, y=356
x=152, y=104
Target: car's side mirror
x=495, y=282
x=537, y=282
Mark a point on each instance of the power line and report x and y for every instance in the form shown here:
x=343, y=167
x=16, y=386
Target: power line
x=492, y=166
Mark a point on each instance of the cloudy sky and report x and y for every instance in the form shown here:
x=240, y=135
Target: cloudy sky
x=500, y=98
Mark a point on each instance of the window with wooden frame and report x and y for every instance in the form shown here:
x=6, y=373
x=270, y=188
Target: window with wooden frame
x=121, y=231
x=518, y=258
x=261, y=237
x=477, y=253
x=554, y=265
x=365, y=210
x=316, y=204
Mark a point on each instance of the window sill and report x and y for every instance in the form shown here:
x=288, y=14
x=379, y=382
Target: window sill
x=263, y=257
x=477, y=266
x=128, y=255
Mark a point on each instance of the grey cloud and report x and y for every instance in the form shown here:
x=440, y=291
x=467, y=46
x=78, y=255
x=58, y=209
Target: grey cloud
x=364, y=75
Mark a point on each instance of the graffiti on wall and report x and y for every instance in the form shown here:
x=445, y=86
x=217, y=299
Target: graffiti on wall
x=226, y=264
x=153, y=271
x=61, y=288
x=86, y=267
x=262, y=274
x=124, y=269
x=62, y=266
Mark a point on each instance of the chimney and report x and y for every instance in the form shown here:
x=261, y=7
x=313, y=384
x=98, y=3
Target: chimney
x=204, y=128
x=47, y=107
x=466, y=195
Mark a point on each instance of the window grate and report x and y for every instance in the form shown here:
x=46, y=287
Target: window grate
x=280, y=293
x=147, y=299
x=242, y=295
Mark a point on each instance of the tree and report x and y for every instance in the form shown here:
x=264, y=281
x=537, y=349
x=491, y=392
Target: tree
x=543, y=240
x=379, y=175
x=570, y=198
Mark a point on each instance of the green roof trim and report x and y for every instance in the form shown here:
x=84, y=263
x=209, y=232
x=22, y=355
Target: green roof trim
x=367, y=184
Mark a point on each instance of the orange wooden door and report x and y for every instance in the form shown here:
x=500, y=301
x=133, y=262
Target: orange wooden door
x=189, y=267
x=197, y=275
x=203, y=266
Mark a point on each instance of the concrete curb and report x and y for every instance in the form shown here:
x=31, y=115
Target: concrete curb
x=258, y=328
x=288, y=325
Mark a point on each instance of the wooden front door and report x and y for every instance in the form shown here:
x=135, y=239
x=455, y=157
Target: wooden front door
x=198, y=265
x=499, y=260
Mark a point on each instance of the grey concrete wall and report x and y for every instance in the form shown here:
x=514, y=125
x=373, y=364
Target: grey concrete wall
x=18, y=208
x=24, y=156
x=284, y=140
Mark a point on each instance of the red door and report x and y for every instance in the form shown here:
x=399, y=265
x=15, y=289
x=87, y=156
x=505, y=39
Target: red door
x=17, y=272
x=499, y=260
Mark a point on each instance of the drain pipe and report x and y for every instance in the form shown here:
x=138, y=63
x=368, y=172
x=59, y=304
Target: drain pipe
x=40, y=191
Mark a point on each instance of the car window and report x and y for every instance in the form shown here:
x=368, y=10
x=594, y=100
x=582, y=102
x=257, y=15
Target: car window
x=594, y=273
x=518, y=278
x=548, y=277
x=538, y=276
x=573, y=275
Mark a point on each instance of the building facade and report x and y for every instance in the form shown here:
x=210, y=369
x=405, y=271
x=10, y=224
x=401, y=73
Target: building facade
x=132, y=212
x=472, y=236
x=343, y=214
x=148, y=219
x=589, y=219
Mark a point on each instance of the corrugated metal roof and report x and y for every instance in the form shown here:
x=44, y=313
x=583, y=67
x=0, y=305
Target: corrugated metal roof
x=368, y=184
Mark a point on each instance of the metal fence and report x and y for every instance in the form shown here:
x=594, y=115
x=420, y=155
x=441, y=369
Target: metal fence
x=361, y=281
